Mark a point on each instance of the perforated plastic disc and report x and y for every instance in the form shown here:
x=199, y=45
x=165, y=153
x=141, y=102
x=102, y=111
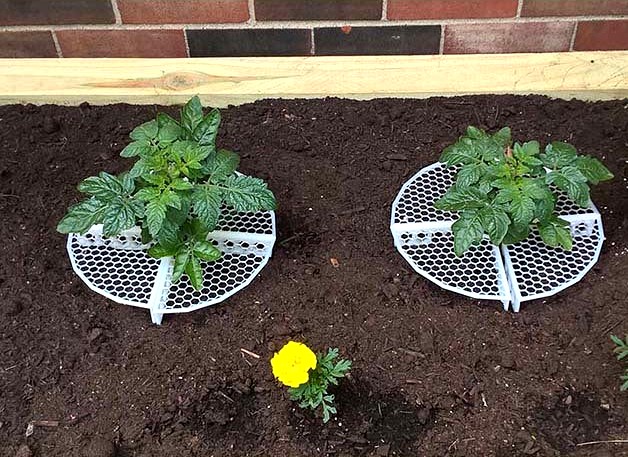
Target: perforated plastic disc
x=523, y=271
x=120, y=269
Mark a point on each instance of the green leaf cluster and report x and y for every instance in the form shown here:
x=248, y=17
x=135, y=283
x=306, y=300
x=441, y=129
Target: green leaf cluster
x=313, y=394
x=621, y=350
x=175, y=190
x=505, y=190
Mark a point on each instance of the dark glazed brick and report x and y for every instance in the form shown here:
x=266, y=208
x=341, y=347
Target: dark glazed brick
x=317, y=10
x=35, y=12
x=249, y=43
x=27, y=44
x=419, y=39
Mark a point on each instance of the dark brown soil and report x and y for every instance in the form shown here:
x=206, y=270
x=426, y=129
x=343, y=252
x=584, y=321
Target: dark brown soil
x=435, y=374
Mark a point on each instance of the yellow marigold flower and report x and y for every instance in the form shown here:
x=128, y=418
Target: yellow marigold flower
x=291, y=365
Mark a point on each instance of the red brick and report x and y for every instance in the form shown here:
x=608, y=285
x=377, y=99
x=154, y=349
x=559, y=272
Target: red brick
x=183, y=11
x=122, y=43
x=508, y=37
x=602, y=35
x=574, y=7
x=450, y=9
x=36, y=12
x=317, y=10
x=27, y=44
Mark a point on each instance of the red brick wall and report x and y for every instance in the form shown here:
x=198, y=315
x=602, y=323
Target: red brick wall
x=182, y=28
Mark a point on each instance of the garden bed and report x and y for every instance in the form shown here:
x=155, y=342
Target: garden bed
x=434, y=373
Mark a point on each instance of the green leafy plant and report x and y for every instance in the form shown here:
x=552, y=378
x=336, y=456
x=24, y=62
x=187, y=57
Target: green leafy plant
x=621, y=350
x=309, y=375
x=505, y=190
x=174, y=191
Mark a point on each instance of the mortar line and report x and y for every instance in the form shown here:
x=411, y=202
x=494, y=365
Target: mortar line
x=312, y=42
x=519, y=8
x=116, y=11
x=55, y=40
x=573, y=36
x=441, y=45
x=187, y=44
x=252, y=19
x=384, y=10
x=305, y=24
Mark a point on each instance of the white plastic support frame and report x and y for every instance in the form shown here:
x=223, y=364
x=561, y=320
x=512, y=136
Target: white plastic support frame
x=120, y=268
x=509, y=273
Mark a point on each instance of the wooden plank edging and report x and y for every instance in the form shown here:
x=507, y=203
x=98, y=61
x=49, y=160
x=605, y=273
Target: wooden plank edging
x=599, y=75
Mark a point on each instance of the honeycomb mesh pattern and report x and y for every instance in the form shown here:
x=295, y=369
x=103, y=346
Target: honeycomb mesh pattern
x=120, y=269
x=524, y=271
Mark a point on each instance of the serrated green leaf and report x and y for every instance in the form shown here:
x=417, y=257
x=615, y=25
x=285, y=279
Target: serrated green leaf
x=618, y=341
x=470, y=174
x=503, y=137
x=158, y=251
x=139, y=169
x=495, y=223
x=170, y=198
x=223, y=165
x=147, y=194
x=456, y=199
x=571, y=181
x=522, y=209
x=181, y=184
x=205, y=250
x=155, y=216
x=475, y=133
x=245, y=193
x=169, y=233
x=535, y=188
x=555, y=232
x=192, y=115
x=544, y=208
x=592, y=169
x=145, y=132
x=206, y=131
x=180, y=261
x=82, y=216
x=558, y=154
x=136, y=148
x=467, y=231
x=460, y=153
x=206, y=201
x=195, y=272
x=118, y=216
x=516, y=233
x=104, y=186
x=169, y=129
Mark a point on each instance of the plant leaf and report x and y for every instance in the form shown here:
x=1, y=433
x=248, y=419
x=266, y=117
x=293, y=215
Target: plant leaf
x=592, y=169
x=206, y=131
x=223, y=165
x=558, y=154
x=521, y=209
x=206, y=201
x=460, y=153
x=136, y=148
x=570, y=180
x=180, y=262
x=119, y=216
x=145, y=132
x=555, y=232
x=467, y=231
x=245, y=193
x=495, y=223
x=205, y=250
x=195, y=272
x=104, y=186
x=503, y=137
x=470, y=174
x=158, y=251
x=169, y=129
x=516, y=233
x=155, y=216
x=192, y=115
x=82, y=216
x=456, y=199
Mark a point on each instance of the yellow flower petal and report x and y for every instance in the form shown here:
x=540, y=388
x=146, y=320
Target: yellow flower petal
x=291, y=365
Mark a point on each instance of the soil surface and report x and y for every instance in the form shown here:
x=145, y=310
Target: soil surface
x=435, y=374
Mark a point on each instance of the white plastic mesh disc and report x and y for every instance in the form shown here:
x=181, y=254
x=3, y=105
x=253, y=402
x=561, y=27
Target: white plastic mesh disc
x=120, y=269
x=524, y=271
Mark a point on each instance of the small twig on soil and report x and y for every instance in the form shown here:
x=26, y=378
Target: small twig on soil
x=603, y=442
x=9, y=195
x=45, y=423
x=226, y=396
x=252, y=354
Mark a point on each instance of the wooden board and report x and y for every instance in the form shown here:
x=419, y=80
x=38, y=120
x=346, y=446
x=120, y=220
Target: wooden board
x=223, y=81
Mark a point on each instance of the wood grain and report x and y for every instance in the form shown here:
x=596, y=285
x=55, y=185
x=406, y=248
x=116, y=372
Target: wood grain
x=222, y=81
